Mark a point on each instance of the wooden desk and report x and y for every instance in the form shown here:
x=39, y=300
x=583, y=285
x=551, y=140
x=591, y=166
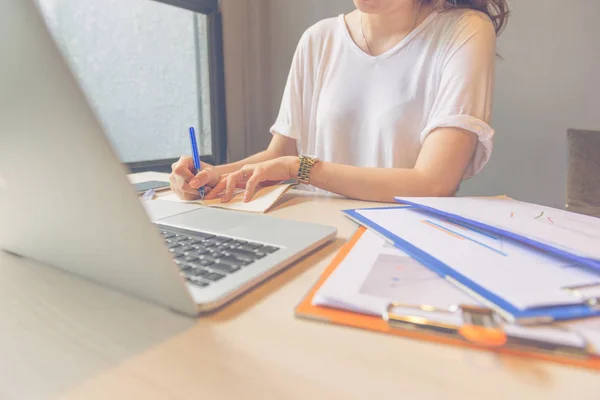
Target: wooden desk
x=62, y=337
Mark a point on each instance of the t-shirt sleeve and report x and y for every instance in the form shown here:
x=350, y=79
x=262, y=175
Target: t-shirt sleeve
x=290, y=119
x=464, y=95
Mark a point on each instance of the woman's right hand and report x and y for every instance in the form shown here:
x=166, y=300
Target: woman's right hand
x=185, y=184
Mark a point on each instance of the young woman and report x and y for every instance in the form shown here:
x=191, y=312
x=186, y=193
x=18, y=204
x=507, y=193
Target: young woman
x=392, y=99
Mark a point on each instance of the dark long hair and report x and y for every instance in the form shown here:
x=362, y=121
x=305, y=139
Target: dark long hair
x=497, y=10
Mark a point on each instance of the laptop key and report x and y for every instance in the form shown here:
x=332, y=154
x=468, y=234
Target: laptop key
x=196, y=282
x=242, y=253
x=186, y=268
x=219, y=240
x=237, y=243
x=202, y=236
x=205, y=263
x=200, y=272
x=187, y=248
x=213, y=276
x=190, y=259
x=217, y=253
x=208, y=243
x=234, y=261
x=268, y=249
x=250, y=246
x=195, y=253
x=224, y=268
x=168, y=235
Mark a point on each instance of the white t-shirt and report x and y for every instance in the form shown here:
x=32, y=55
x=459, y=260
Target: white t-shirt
x=345, y=106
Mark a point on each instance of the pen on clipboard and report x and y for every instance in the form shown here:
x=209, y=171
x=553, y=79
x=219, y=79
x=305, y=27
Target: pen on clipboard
x=196, y=155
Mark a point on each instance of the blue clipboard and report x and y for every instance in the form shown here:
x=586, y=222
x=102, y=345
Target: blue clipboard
x=504, y=308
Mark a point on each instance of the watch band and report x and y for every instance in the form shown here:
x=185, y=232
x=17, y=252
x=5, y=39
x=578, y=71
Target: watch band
x=306, y=164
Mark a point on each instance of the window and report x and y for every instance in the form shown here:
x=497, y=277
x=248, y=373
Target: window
x=150, y=69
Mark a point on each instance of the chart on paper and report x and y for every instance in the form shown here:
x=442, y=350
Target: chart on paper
x=563, y=230
x=497, y=244
x=569, y=225
x=374, y=274
x=392, y=273
x=461, y=231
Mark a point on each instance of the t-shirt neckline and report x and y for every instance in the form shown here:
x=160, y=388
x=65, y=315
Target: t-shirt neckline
x=392, y=50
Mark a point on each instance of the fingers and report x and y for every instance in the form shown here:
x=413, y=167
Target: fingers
x=183, y=172
x=201, y=179
x=256, y=178
x=215, y=191
x=179, y=185
x=183, y=190
x=228, y=183
x=231, y=184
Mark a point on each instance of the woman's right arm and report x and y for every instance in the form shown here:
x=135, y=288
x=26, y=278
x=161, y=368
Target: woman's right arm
x=185, y=184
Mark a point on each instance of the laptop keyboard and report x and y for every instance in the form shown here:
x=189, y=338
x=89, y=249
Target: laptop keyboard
x=204, y=258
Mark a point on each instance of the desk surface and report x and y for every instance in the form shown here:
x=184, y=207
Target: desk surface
x=62, y=337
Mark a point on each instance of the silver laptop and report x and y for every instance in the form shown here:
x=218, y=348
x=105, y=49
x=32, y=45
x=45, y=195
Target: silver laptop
x=65, y=199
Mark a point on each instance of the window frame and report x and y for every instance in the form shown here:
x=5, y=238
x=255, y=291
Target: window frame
x=216, y=73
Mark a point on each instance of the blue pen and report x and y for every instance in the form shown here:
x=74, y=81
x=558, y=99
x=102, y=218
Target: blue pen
x=196, y=155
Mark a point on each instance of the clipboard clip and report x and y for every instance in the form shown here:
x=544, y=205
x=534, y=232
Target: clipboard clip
x=589, y=293
x=478, y=325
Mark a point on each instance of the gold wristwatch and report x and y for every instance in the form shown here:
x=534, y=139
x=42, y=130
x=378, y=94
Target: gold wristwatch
x=306, y=164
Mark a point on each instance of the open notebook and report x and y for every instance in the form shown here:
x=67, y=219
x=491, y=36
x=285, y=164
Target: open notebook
x=264, y=198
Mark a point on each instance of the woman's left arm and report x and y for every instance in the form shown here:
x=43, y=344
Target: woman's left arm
x=439, y=169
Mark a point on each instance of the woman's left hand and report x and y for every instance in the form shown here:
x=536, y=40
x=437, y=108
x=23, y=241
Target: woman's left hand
x=276, y=170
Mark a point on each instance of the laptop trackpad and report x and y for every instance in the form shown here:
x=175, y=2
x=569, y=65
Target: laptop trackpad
x=210, y=220
x=160, y=209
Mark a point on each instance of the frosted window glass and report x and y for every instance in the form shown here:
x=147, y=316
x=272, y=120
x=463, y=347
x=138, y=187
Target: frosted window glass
x=144, y=68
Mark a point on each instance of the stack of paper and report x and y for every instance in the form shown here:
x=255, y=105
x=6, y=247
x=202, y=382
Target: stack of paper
x=375, y=273
x=535, y=270
x=527, y=273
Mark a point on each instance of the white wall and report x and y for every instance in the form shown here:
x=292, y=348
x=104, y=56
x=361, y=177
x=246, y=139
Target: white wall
x=548, y=81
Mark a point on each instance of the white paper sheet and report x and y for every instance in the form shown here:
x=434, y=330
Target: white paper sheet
x=264, y=198
x=575, y=233
x=521, y=275
x=374, y=273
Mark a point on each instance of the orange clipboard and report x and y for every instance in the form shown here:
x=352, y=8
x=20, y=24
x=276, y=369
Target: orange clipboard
x=306, y=310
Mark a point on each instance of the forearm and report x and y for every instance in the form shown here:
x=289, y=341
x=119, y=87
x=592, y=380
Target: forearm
x=377, y=184
x=438, y=171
